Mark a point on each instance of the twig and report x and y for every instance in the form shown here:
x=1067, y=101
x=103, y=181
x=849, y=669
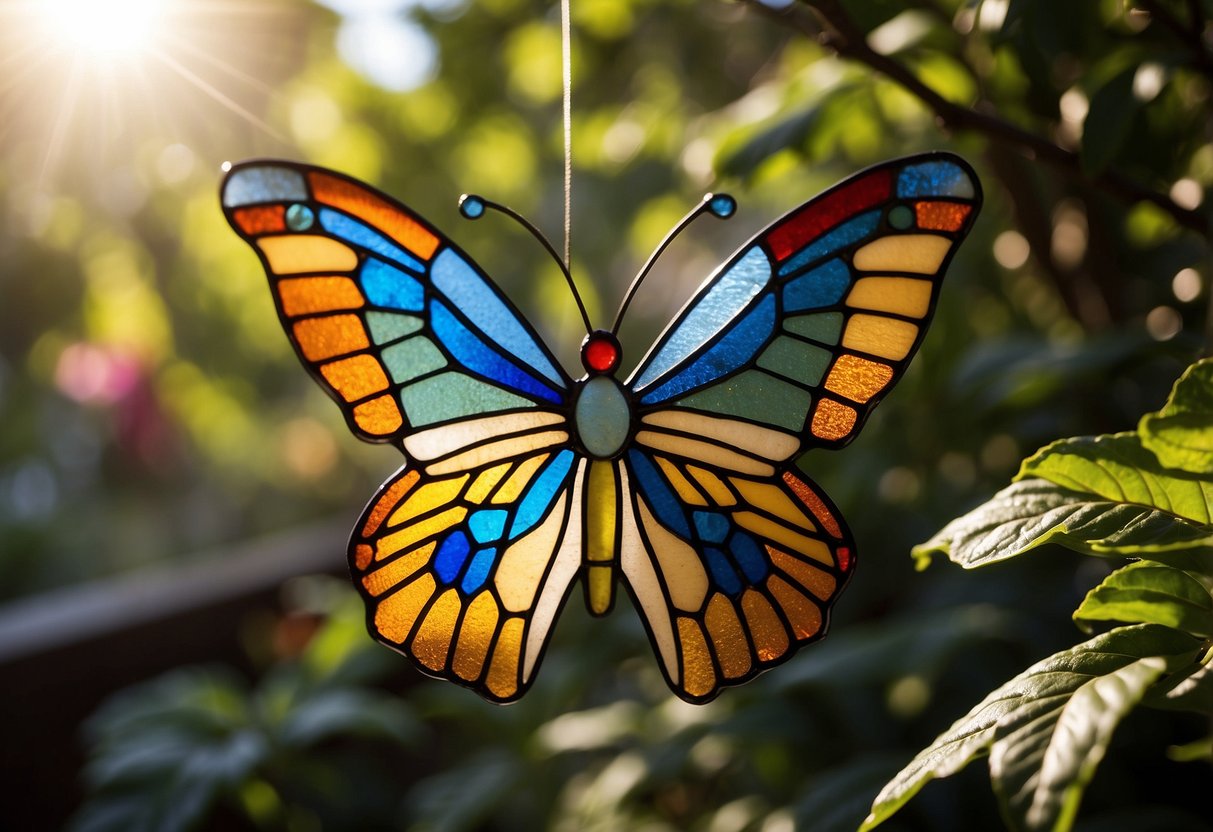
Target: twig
x=837, y=32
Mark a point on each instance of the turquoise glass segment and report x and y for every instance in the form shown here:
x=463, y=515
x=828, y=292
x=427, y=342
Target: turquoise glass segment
x=389, y=287
x=602, y=417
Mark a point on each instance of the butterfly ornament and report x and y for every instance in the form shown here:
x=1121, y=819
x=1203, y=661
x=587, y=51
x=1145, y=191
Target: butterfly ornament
x=677, y=484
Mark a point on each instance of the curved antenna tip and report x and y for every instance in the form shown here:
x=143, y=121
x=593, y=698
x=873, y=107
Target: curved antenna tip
x=471, y=206
x=720, y=205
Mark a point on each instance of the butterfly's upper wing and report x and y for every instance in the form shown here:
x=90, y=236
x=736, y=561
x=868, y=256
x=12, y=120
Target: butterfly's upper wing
x=788, y=346
x=420, y=349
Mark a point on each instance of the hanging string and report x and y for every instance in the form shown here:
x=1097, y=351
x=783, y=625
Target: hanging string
x=566, y=53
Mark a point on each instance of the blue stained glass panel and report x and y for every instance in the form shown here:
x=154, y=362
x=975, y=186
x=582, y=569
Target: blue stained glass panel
x=736, y=348
x=389, y=287
x=712, y=526
x=934, y=179
x=722, y=573
x=470, y=351
x=729, y=294
x=264, y=184
x=665, y=505
x=451, y=554
x=351, y=230
x=540, y=494
x=469, y=293
x=478, y=570
x=487, y=525
x=824, y=286
x=749, y=556
x=847, y=234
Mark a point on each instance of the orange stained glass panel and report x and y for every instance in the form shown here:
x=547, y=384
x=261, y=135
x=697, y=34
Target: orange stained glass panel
x=880, y=336
x=363, y=555
x=261, y=219
x=803, y=614
x=379, y=417
x=502, y=680
x=766, y=630
x=858, y=379
x=396, y=613
x=512, y=487
x=300, y=253
x=356, y=200
x=388, y=501
x=941, y=216
x=698, y=675
x=820, y=583
x=732, y=647
x=395, y=571
x=475, y=636
x=321, y=338
x=433, y=640
x=427, y=498
x=832, y=420
x=815, y=503
x=305, y=295
x=416, y=532
x=356, y=377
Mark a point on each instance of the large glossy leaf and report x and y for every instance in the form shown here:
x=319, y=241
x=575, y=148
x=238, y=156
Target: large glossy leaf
x=1181, y=434
x=1047, y=728
x=1119, y=468
x=1191, y=691
x=1150, y=593
x=1032, y=512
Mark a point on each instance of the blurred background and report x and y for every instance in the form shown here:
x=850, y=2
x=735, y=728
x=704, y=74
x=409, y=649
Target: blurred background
x=179, y=647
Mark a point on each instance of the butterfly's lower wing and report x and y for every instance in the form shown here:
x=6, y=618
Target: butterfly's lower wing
x=401, y=328
x=465, y=571
x=731, y=572
x=793, y=342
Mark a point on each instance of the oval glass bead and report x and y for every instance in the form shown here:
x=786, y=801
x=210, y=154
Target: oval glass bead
x=602, y=417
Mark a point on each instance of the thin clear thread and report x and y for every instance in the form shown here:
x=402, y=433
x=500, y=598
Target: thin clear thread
x=566, y=56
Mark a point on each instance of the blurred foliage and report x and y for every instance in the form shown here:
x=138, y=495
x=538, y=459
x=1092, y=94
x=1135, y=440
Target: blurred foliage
x=151, y=407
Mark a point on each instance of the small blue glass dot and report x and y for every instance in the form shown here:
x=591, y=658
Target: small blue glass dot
x=299, y=217
x=471, y=206
x=722, y=205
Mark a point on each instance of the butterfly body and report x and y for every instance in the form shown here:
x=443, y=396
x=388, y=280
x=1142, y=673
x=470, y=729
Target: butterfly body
x=677, y=484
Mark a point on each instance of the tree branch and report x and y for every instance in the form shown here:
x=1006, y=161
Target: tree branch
x=836, y=31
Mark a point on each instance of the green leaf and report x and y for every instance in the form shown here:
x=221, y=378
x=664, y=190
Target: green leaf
x=1150, y=593
x=1109, y=118
x=1181, y=434
x=1190, y=691
x=1033, y=512
x=1038, y=722
x=1119, y=468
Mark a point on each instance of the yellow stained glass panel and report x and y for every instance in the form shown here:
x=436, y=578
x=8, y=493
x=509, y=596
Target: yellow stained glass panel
x=503, y=668
x=433, y=639
x=773, y=500
x=389, y=575
x=298, y=253
x=475, y=636
x=698, y=675
x=601, y=581
x=899, y=295
x=601, y=512
x=396, y=613
x=427, y=498
x=713, y=485
x=684, y=488
x=520, y=571
x=885, y=337
x=822, y=584
x=919, y=253
x=755, y=439
x=485, y=481
x=419, y=531
x=706, y=452
x=732, y=647
x=518, y=480
x=779, y=533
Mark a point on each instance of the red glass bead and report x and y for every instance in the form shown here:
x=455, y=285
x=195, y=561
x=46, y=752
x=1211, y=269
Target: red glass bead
x=600, y=353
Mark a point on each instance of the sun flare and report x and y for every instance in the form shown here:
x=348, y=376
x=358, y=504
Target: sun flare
x=111, y=28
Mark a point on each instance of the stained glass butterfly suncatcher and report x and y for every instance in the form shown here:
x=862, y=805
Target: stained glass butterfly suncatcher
x=678, y=483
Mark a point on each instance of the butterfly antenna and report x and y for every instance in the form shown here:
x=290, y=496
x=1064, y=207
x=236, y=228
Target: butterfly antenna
x=718, y=205
x=473, y=207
